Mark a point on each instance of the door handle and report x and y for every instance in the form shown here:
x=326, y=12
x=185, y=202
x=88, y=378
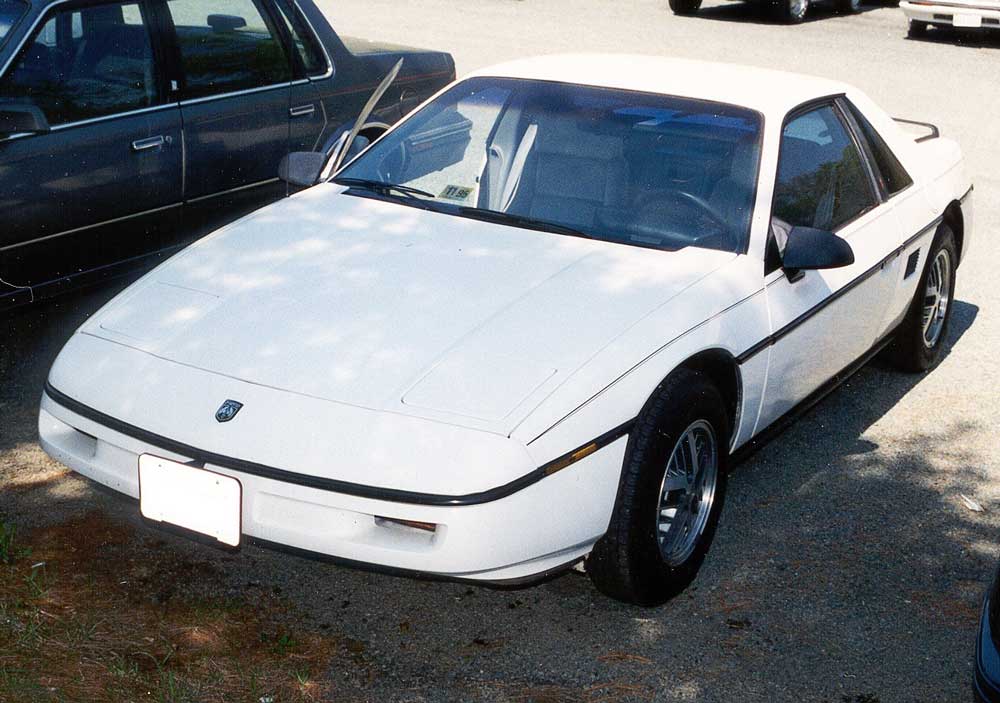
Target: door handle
x=148, y=143
x=302, y=110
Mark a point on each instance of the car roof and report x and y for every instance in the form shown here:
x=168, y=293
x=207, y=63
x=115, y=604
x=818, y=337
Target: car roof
x=768, y=91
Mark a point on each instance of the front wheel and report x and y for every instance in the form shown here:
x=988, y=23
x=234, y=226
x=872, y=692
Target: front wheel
x=917, y=29
x=685, y=7
x=919, y=341
x=848, y=7
x=670, y=495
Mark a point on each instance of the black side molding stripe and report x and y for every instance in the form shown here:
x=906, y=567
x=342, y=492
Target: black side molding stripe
x=333, y=485
x=843, y=290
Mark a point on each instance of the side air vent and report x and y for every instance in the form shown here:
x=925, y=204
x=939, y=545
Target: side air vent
x=911, y=264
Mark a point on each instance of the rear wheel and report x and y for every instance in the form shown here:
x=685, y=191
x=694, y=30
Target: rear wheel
x=670, y=496
x=917, y=29
x=685, y=7
x=920, y=338
x=848, y=7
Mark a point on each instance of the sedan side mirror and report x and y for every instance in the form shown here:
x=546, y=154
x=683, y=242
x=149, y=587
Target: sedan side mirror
x=302, y=168
x=307, y=168
x=808, y=248
x=18, y=119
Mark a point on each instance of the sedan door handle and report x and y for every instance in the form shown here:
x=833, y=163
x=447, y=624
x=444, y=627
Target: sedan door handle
x=302, y=110
x=148, y=143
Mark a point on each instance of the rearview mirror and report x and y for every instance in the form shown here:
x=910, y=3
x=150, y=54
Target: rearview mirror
x=808, y=248
x=226, y=23
x=18, y=119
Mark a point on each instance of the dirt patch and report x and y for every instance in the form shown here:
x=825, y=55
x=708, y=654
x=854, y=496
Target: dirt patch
x=94, y=612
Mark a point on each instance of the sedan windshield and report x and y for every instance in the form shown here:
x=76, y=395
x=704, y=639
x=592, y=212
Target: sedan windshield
x=10, y=12
x=635, y=168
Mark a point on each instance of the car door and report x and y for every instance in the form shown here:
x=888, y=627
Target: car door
x=824, y=320
x=311, y=67
x=92, y=173
x=233, y=78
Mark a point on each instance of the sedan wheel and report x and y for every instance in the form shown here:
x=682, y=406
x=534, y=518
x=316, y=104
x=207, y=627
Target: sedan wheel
x=789, y=11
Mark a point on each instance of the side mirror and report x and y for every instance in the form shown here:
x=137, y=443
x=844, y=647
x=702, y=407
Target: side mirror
x=808, y=248
x=307, y=168
x=17, y=119
x=302, y=168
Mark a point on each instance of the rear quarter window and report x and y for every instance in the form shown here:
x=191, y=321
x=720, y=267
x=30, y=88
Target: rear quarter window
x=894, y=176
x=11, y=11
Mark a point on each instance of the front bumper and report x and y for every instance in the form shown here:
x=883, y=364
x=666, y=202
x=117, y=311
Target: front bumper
x=546, y=525
x=953, y=14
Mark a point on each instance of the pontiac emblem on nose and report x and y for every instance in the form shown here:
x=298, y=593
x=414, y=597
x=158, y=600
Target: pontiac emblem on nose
x=228, y=411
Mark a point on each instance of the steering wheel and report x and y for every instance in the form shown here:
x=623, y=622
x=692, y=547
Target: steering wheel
x=658, y=217
x=706, y=208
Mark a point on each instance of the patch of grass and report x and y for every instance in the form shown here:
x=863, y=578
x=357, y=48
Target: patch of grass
x=101, y=631
x=10, y=552
x=17, y=685
x=38, y=580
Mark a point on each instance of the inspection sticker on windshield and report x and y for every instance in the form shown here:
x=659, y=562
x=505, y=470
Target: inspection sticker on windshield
x=456, y=193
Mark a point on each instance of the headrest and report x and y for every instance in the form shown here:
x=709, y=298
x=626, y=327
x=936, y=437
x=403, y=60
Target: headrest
x=564, y=137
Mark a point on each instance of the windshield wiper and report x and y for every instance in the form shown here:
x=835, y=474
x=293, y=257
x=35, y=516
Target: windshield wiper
x=506, y=218
x=381, y=187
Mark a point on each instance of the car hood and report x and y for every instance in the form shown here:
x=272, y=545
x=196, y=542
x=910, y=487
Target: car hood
x=388, y=307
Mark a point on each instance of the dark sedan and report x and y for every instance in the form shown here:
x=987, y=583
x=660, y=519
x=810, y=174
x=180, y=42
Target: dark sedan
x=130, y=127
x=987, y=680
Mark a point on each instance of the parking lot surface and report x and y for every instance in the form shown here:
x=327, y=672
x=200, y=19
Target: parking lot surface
x=847, y=568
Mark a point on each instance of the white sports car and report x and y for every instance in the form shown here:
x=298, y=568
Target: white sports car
x=530, y=324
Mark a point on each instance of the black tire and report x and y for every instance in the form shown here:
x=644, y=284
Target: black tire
x=909, y=350
x=685, y=7
x=789, y=11
x=917, y=29
x=848, y=7
x=626, y=563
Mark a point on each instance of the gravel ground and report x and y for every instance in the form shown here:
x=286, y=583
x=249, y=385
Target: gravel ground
x=846, y=567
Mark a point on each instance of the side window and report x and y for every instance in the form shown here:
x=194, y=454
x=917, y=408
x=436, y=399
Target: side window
x=100, y=64
x=226, y=52
x=894, y=176
x=821, y=181
x=305, y=44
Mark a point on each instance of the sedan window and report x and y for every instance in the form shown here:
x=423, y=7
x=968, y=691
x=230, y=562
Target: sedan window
x=10, y=12
x=821, y=180
x=226, y=47
x=636, y=168
x=102, y=64
x=304, y=43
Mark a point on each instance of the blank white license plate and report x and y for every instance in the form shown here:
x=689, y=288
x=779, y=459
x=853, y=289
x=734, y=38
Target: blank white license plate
x=189, y=497
x=966, y=20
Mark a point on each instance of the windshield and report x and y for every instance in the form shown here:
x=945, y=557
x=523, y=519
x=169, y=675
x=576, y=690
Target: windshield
x=10, y=12
x=629, y=167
